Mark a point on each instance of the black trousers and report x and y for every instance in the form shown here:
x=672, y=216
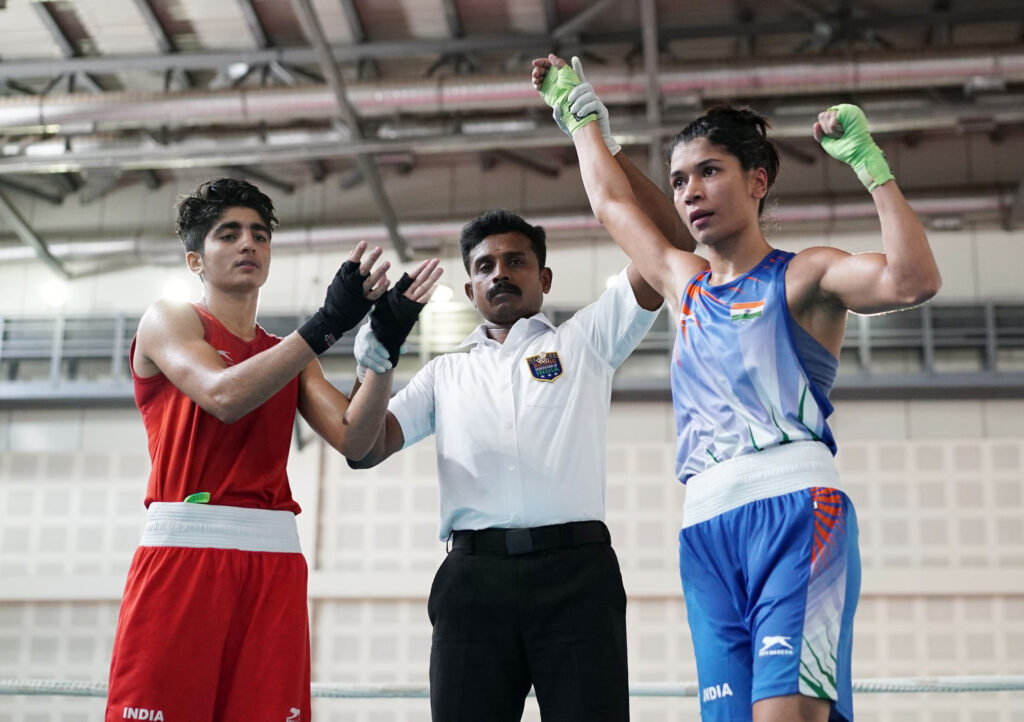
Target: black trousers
x=554, y=619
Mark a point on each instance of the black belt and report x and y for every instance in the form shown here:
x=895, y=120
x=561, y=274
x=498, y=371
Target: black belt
x=536, y=539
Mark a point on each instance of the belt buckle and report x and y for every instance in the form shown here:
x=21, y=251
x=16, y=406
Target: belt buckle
x=518, y=541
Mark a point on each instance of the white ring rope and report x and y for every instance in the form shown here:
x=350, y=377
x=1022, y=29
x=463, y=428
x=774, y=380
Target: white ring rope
x=995, y=683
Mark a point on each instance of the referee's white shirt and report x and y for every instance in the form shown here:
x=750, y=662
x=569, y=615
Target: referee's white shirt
x=514, y=450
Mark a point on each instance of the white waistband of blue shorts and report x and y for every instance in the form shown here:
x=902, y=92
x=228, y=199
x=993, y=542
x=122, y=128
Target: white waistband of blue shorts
x=181, y=524
x=763, y=474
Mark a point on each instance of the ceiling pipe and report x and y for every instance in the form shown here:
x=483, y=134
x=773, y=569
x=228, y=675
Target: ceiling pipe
x=444, y=95
x=428, y=235
x=206, y=150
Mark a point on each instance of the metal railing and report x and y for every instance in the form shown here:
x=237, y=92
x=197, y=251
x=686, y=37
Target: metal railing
x=881, y=685
x=936, y=350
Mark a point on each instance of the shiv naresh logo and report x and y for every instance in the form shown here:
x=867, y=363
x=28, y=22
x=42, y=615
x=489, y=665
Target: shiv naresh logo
x=772, y=645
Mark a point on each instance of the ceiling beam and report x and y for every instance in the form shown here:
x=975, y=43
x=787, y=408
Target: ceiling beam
x=686, y=89
x=529, y=162
x=550, y=14
x=238, y=171
x=355, y=22
x=51, y=198
x=512, y=43
x=649, y=29
x=371, y=174
x=99, y=183
x=163, y=40
x=151, y=179
x=156, y=29
x=452, y=20
x=1015, y=214
x=940, y=35
x=252, y=20
x=282, y=73
x=458, y=61
x=325, y=145
x=367, y=66
x=575, y=25
x=28, y=236
x=745, y=44
x=834, y=24
x=45, y=15
x=85, y=80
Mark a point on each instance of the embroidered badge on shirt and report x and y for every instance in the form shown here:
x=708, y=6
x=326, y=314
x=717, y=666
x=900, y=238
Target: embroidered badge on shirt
x=746, y=311
x=545, y=366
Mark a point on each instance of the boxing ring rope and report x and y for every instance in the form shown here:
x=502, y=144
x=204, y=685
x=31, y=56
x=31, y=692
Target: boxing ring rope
x=905, y=685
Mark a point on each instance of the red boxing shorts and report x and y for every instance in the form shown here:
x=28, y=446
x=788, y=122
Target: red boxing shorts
x=213, y=622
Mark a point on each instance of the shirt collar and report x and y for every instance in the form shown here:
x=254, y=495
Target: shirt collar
x=479, y=334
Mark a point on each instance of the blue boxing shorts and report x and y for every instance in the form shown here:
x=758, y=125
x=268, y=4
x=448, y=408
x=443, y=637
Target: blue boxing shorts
x=770, y=568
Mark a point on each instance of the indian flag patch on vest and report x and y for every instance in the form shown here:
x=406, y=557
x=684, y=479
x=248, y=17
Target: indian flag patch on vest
x=746, y=311
x=545, y=366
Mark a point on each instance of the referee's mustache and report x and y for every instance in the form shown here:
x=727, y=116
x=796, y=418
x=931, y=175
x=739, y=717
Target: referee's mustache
x=502, y=287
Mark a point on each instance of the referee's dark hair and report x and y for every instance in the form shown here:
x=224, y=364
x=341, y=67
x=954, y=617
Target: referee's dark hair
x=498, y=221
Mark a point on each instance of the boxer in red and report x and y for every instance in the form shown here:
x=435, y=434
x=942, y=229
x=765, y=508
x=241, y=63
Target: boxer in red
x=213, y=623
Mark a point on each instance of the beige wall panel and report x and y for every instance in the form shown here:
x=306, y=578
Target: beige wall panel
x=945, y=420
x=997, y=269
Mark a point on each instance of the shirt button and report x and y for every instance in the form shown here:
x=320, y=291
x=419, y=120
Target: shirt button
x=508, y=425
x=511, y=467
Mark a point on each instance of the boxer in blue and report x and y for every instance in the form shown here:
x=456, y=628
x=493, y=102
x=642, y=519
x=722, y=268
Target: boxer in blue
x=768, y=550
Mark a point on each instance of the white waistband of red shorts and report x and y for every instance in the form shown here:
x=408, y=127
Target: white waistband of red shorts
x=181, y=524
x=775, y=471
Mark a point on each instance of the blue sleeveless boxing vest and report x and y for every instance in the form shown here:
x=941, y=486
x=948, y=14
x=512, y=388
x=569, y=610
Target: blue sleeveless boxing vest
x=740, y=373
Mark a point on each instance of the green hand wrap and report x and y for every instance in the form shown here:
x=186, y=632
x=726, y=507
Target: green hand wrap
x=857, y=149
x=558, y=83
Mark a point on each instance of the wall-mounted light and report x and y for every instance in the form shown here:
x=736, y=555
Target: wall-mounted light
x=442, y=294
x=237, y=70
x=176, y=289
x=55, y=293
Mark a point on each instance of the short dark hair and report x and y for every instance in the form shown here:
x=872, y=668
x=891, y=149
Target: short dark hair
x=740, y=131
x=199, y=211
x=498, y=221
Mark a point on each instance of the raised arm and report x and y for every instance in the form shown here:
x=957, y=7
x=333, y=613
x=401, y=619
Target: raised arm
x=656, y=205
x=352, y=424
x=171, y=341
x=617, y=204
x=583, y=100
x=905, y=274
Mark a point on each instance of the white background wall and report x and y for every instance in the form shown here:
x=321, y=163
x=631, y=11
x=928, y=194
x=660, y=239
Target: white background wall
x=938, y=487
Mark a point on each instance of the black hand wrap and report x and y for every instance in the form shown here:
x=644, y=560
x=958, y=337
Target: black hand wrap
x=343, y=309
x=393, y=317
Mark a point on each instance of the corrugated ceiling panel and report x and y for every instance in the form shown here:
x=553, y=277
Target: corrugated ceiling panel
x=491, y=17
x=116, y=27
x=403, y=19
x=333, y=21
x=23, y=35
x=987, y=34
x=217, y=25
